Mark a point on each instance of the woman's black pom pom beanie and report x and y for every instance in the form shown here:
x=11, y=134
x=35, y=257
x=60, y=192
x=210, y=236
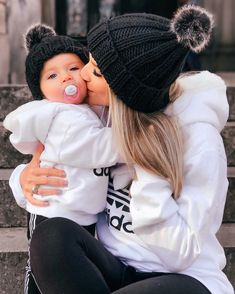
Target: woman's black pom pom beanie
x=141, y=55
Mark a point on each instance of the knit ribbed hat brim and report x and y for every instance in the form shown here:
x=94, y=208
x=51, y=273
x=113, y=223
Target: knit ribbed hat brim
x=141, y=55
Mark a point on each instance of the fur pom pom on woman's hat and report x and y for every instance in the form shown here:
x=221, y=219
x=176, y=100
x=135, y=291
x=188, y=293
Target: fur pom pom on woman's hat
x=192, y=26
x=42, y=43
x=141, y=55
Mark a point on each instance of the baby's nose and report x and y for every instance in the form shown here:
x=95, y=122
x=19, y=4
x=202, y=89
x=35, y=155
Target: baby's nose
x=66, y=77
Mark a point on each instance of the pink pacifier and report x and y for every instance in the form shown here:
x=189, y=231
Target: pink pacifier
x=72, y=93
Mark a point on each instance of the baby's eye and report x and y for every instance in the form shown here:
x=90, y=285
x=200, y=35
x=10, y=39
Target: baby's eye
x=97, y=74
x=74, y=68
x=52, y=76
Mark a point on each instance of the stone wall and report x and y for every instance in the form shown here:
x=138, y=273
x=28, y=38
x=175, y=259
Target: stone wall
x=15, y=18
x=17, y=15
x=21, y=14
x=221, y=53
x=4, y=44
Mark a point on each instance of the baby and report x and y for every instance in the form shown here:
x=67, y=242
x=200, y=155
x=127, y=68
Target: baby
x=73, y=136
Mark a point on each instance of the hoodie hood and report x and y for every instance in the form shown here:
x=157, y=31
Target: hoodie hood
x=203, y=100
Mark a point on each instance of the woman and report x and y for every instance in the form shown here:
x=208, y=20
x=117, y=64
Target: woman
x=159, y=236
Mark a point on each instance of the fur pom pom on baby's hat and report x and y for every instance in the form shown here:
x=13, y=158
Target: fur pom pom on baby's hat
x=36, y=33
x=192, y=26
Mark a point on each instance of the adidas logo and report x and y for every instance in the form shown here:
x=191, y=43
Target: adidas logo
x=100, y=172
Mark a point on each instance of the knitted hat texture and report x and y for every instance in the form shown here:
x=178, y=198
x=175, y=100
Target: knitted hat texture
x=42, y=43
x=141, y=55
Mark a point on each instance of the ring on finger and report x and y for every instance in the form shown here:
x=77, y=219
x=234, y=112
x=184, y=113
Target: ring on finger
x=35, y=189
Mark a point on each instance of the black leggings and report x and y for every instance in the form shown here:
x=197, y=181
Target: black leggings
x=66, y=259
x=33, y=220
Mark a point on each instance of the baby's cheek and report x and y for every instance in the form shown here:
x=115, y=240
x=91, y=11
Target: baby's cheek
x=83, y=88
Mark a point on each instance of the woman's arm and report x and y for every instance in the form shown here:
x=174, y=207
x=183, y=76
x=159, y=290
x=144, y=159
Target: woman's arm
x=22, y=182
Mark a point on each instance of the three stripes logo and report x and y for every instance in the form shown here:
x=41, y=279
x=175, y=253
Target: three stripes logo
x=118, y=211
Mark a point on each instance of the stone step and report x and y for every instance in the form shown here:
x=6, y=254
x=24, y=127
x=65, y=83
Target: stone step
x=226, y=236
x=10, y=157
x=229, y=211
x=228, y=77
x=228, y=135
x=11, y=215
x=12, y=271
x=231, y=101
x=13, y=240
x=13, y=257
x=12, y=96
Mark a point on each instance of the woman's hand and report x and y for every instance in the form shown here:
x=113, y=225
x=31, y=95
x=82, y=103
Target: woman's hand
x=33, y=176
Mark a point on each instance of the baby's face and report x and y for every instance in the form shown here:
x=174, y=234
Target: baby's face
x=59, y=72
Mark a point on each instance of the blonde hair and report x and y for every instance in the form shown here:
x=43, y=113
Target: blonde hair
x=150, y=140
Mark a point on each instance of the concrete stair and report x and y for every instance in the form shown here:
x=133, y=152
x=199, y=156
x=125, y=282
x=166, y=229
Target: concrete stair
x=13, y=242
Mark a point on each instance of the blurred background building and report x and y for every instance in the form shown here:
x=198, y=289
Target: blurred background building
x=76, y=17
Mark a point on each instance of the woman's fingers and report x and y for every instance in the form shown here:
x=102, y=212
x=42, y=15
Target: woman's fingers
x=32, y=200
x=36, y=157
x=48, y=181
x=48, y=172
x=34, y=176
x=42, y=190
x=49, y=192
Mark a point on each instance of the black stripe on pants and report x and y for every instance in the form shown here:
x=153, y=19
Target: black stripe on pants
x=66, y=259
x=30, y=286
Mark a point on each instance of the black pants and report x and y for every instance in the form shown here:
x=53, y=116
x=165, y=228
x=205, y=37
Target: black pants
x=33, y=220
x=66, y=259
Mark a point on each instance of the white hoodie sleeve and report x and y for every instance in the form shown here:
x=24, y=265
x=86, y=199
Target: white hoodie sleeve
x=175, y=229
x=81, y=141
x=14, y=183
x=29, y=124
